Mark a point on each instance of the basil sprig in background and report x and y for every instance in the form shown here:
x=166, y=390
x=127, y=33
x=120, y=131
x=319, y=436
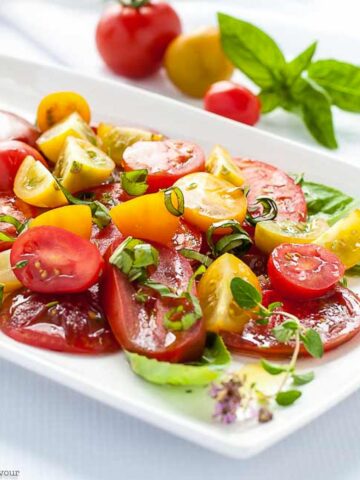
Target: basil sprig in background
x=306, y=88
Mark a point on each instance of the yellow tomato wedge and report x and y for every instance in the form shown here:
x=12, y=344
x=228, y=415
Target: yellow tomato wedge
x=74, y=218
x=220, y=310
x=209, y=199
x=146, y=217
x=35, y=185
x=7, y=277
x=221, y=164
x=116, y=139
x=58, y=105
x=81, y=165
x=270, y=234
x=343, y=239
x=52, y=141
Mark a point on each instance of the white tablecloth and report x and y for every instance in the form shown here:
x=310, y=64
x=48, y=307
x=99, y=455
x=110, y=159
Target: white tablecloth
x=49, y=432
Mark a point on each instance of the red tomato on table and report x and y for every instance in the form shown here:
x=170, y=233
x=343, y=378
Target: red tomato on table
x=336, y=317
x=266, y=180
x=53, y=260
x=14, y=127
x=12, y=154
x=139, y=327
x=165, y=161
x=66, y=323
x=132, y=39
x=303, y=271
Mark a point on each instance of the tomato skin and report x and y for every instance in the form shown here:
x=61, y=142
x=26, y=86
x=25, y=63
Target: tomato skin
x=265, y=179
x=12, y=153
x=132, y=41
x=166, y=161
x=336, y=317
x=58, y=261
x=66, y=327
x=130, y=321
x=109, y=195
x=303, y=271
x=187, y=236
x=233, y=101
x=14, y=127
x=102, y=238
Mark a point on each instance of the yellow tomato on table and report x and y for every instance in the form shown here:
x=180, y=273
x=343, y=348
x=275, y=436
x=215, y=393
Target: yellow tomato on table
x=209, y=199
x=220, y=311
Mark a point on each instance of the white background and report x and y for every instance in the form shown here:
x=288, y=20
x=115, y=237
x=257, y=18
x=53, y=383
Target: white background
x=49, y=432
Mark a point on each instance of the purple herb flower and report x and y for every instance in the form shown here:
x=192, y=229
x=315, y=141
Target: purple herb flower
x=228, y=399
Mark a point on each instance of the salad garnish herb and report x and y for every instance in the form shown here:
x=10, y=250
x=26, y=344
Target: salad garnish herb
x=269, y=210
x=300, y=86
x=197, y=256
x=178, y=209
x=21, y=264
x=2, y=289
x=234, y=394
x=237, y=242
x=19, y=227
x=134, y=183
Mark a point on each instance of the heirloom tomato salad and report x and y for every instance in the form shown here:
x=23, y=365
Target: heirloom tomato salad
x=116, y=237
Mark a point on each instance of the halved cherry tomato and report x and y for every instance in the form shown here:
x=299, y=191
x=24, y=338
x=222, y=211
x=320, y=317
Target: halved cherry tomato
x=74, y=218
x=14, y=127
x=66, y=323
x=266, y=180
x=14, y=207
x=336, y=317
x=209, y=199
x=303, y=271
x=52, y=260
x=187, y=236
x=58, y=105
x=139, y=327
x=234, y=101
x=102, y=238
x=12, y=154
x=165, y=161
x=109, y=195
x=146, y=217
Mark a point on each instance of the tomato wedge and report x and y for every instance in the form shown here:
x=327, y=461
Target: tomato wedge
x=165, y=161
x=266, y=180
x=12, y=154
x=14, y=207
x=139, y=327
x=187, y=236
x=53, y=260
x=336, y=317
x=303, y=271
x=14, y=127
x=66, y=323
x=102, y=238
x=109, y=195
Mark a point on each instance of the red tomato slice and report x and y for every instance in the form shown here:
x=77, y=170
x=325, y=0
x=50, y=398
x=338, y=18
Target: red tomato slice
x=303, y=271
x=139, y=327
x=75, y=324
x=13, y=127
x=256, y=260
x=110, y=195
x=57, y=261
x=336, y=317
x=10, y=205
x=266, y=180
x=102, y=238
x=187, y=236
x=12, y=154
x=165, y=161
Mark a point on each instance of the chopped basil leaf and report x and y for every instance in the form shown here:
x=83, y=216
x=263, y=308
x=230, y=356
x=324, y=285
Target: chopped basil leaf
x=134, y=183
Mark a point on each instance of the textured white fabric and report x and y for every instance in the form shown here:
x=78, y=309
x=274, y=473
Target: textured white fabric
x=49, y=432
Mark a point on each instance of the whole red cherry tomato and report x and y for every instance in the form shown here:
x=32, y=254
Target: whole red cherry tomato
x=12, y=154
x=132, y=37
x=233, y=101
x=14, y=127
x=303, y=271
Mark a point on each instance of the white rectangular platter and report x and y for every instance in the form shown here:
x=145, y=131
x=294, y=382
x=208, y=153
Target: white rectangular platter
x=108, y=378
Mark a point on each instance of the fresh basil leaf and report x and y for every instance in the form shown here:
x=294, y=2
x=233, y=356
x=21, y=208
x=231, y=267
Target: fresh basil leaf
x=252, y=51
x=303, y=378
x=290, y=325
x=287, y=398
x=327, y=202
x=354, y=271
x=313, y=343
x=272, y=368
x=299, y=64
x=216, y=357
x=6, y=238
x=245, y=295
x=316, y=112
x=19, y=227
x=162, y=289
x=269, y=100
x=341, y=80
x=20, y=264
x=282, y=335
x=274, y=305
x=134, y=183
x=2, y=288
x=197, y=256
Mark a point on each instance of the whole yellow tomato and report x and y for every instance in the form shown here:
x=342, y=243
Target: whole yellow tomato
x=195, y=61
